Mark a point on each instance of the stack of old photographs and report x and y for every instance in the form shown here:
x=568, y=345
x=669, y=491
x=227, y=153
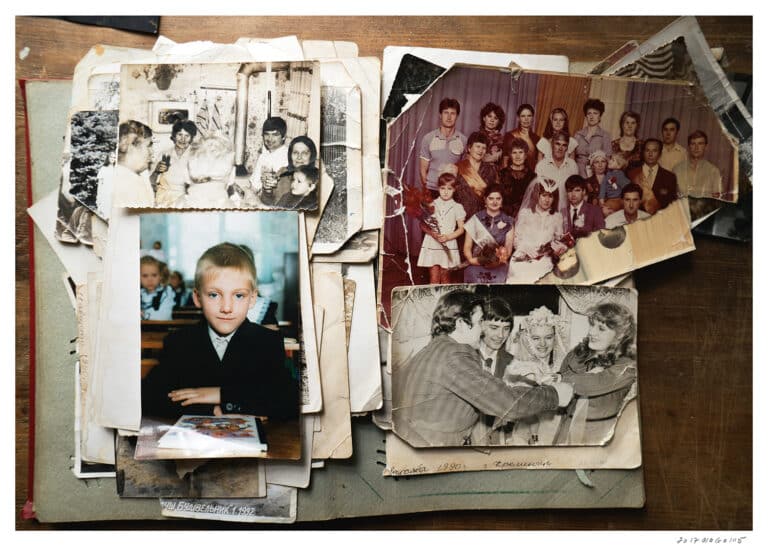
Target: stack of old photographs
x=242, y=186
x=461, y=280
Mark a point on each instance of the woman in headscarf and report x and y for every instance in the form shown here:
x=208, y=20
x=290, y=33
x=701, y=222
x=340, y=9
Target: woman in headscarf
x=301, y=151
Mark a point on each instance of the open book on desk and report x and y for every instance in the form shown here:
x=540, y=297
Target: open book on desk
x=233, y=435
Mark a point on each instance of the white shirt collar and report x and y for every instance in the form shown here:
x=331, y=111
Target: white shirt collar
x=647, y=169
x=486, y=351
x=220, y=343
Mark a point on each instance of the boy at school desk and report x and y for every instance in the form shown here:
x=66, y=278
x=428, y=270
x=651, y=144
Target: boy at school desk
x=225, y=364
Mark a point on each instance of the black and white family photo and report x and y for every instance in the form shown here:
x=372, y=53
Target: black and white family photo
x=219, y=136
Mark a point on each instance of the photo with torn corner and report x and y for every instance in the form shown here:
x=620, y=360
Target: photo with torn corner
x=494, y=174
x=277, y=505
x=240, y=478
x=237, y=135
x=342, y=160
x=499, y=365
x=93, y=146
x=218, y=296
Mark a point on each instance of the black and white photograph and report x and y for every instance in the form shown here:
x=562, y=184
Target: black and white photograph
x=342, y=164
x=219, y=135
x=73, y=218
x=241, y=478
x=492, y=176
x=497, y=365
x=94, y=156
x=341, y=152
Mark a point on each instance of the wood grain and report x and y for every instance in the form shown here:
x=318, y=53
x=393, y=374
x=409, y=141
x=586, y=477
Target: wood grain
x=695, y=319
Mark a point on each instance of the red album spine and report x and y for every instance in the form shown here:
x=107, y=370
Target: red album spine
x=28, y=511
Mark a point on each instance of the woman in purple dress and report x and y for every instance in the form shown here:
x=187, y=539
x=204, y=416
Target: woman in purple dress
x=490, y=235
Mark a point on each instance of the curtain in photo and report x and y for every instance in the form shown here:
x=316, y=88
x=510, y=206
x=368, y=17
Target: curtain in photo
x=566, y=92
x=655, y=102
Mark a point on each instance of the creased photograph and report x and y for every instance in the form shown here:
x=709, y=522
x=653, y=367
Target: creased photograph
x=219, y=135
x=511, y=365
x=496, y=175
x=341, y=154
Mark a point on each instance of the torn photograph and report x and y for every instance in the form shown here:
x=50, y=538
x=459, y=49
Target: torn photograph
x=493, y=174
x=219, y=319
x=93, y=148
x=219, y=136
x=680, y=51
x=362, y=247
x=341, y=154
x=86, y=466
x=497, y=365
x=278, y=505
x=192, y=478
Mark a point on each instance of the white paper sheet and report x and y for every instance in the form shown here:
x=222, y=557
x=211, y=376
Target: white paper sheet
x=78, y=260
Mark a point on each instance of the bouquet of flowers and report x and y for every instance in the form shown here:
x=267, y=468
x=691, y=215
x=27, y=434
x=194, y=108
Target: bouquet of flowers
x=419, y=205
x=550, y=249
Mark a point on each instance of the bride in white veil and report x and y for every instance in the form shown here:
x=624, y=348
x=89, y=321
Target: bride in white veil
x=539, y=226
x=540, y=349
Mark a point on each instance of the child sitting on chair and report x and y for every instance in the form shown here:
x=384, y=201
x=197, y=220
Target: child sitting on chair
x=156, y=298
x=225, y=364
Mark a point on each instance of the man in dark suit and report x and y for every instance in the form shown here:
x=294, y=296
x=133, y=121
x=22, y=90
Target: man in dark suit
x=582, y=218
x=495, y=328
x=659, y=185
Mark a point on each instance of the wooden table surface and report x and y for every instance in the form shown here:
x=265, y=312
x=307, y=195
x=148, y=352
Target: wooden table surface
x=695, y=323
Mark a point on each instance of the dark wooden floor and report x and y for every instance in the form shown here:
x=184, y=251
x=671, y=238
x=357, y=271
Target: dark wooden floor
x=695, y=319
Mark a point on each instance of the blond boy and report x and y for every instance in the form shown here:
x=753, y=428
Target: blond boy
x=225, y=364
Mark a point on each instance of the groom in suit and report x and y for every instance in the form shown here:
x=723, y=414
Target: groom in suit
x=581, y=217
x=496, y=325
